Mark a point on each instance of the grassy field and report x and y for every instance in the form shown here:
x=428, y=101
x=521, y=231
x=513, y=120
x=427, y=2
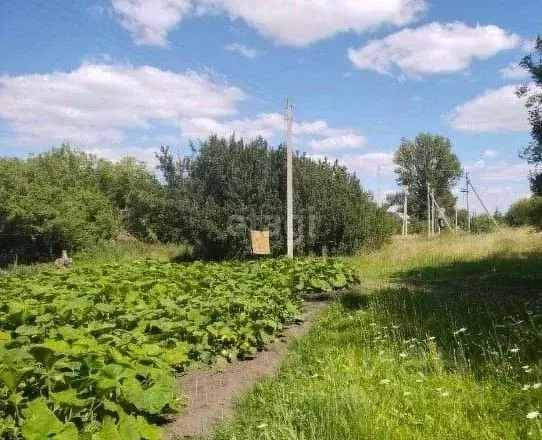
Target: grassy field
x=444, y=341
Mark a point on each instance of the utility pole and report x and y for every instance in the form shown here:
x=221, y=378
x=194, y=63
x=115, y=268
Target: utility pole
x=378, y=194
x=484, y=205
x=456, y=229
x=433, y=212
x=428, y=209
x=439, y=211
x=289, y=179
x=405, y=214
x=466, y=191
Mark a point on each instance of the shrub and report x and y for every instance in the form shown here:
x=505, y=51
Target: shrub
x=526, y=212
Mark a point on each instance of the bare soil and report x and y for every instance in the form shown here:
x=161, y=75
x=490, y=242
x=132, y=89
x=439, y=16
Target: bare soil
x=212, y=393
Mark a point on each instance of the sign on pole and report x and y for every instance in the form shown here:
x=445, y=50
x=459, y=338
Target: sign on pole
x=260, y=242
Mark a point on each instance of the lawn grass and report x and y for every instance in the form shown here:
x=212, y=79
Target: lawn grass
x=444, y=341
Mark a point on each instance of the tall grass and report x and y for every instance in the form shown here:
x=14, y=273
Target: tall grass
x=444, y=342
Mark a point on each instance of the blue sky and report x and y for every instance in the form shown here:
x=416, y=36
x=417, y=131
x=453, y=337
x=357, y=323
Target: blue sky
x=121, y=77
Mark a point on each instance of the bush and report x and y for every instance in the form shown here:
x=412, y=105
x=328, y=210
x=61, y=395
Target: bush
x=482, y=224
x=67, y=199
x=526, y=212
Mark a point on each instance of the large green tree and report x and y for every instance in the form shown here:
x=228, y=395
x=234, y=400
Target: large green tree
x=227, y=186
x=427, y=159
x=533, y=99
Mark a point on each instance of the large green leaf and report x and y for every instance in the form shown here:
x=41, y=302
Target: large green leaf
x=153, y=399
x=108, y=431
x=40, y=423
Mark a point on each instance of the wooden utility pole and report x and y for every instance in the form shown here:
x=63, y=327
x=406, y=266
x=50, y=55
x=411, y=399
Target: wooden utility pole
x=456, y=229
x=289, y=179
x=484, y=205
x=405, y=214
x=378, y=192
x=466, y=191
x=428, y=209
x=433, y=214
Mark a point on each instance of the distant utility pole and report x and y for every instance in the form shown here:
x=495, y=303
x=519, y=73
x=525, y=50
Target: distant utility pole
x=439, y=212
x=289, y=179
x=456, y=228
x=466, y=191
x=433, y=212
x=405, y=214
x=378, y=194
x=428, y=209
x=483, y=205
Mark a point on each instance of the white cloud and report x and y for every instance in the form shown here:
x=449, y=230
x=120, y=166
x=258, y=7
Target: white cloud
x=498, y=172
x=505, y=172
x=339, y=142
x=301, y=22
x=476, y=166
x=289, y=22
x=514, y=71
x=433, y=48
x=242, y=49
x=368, y=162
x=150, y=21
x=142, y=154
x=489, y=153
x=271, y=125
x=96, y=102
x=266, y=125
x=495, y=111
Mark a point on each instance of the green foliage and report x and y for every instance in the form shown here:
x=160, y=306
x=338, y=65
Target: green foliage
x=444, y=343
x=67, y=199
x=482, y=224
x=227, y=187
x=533, y=95
x=526, y=212
x=427, y=159
x=94, y=349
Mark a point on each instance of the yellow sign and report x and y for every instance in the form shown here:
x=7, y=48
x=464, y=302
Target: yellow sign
x=260, y=242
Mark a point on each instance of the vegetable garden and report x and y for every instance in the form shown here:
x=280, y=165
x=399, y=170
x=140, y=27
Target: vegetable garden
x=92, y=353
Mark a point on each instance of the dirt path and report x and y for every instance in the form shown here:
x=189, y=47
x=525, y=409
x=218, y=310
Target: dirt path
x=212, y=393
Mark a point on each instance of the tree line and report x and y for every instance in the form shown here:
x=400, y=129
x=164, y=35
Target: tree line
x=209, y=199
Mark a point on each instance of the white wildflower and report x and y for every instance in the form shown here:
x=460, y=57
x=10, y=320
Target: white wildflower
x=514, y=350
x=403, y=355
x=431, y=338
x=533, y=415
x=461, y=330
x=526, y=387
x=537, y=385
